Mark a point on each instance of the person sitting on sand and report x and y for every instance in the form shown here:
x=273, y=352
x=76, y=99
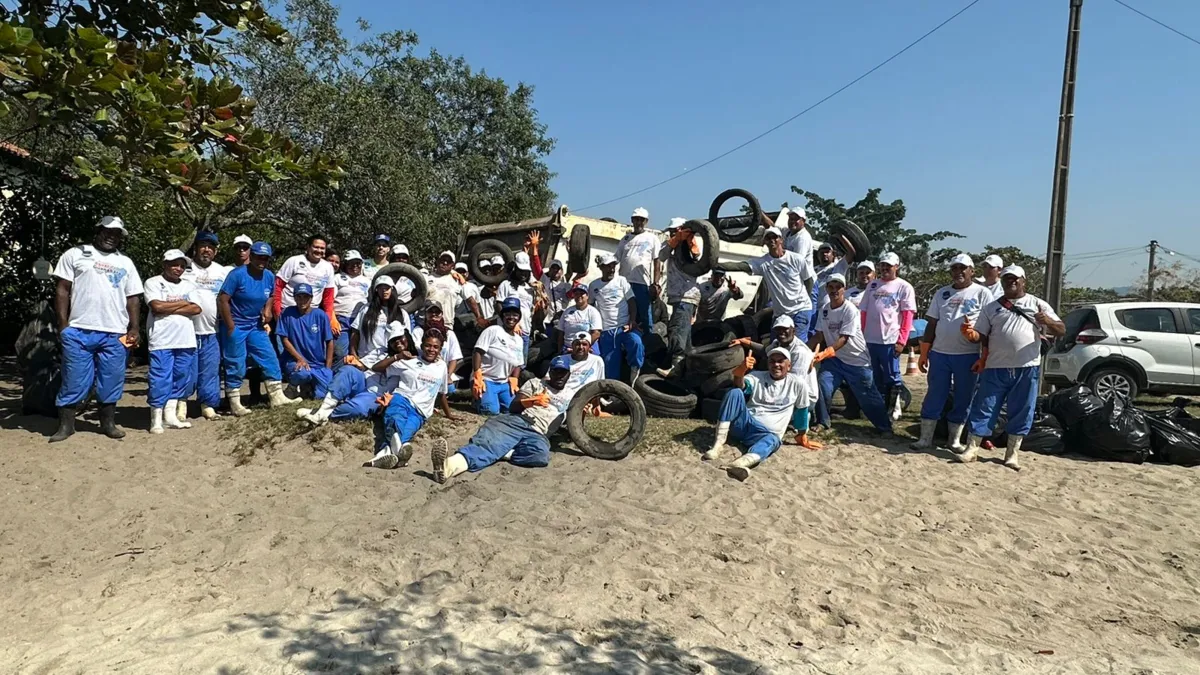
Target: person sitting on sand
x=307, y=338
x=784, y=337
x=757, y=411
x=355, y=389
x=415, y=384
x=521, y=437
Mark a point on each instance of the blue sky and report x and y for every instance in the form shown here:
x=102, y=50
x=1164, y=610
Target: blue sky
x=962, y=127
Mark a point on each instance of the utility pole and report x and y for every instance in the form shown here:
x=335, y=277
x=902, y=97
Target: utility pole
x=1062, y=163
x=1150, y=271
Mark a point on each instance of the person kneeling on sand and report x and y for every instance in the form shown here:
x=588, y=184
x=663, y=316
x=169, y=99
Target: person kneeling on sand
x=521, y=437
x=757, y=411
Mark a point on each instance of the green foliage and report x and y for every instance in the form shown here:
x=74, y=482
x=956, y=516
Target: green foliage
x=1173, y=282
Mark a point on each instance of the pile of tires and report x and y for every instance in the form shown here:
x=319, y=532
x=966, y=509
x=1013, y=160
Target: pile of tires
x=665, y=398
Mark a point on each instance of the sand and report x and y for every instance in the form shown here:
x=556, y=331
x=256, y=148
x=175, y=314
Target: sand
x=164, y=555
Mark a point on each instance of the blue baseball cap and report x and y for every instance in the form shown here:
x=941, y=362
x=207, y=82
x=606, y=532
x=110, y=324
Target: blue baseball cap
x=302, y=289
x=510, y=303
x=206, y=235
x=382, y=238
x=262, y=248
x=561, y=362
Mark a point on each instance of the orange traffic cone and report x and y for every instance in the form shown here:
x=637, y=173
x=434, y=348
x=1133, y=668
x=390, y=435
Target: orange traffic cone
x=912, y=362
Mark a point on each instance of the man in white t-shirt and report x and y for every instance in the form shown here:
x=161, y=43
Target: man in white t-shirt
x=797, y=239
x=1010, y=330
x=783, y=274
x=757, y=410
x=379, y=255
x=828, y=263
x=888, y=309
x=99, y=320
x=317, y=273
x=208, y=276
x=864, y=274
x=556, y=285
x=445, y=285
x=613, y=297
x=636, y=252
x=844, y=358
x=586, y=366
x=991, y=276
x=947, y=355
x=172, y=335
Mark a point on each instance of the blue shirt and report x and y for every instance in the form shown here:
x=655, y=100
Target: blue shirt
x=247, y=295
x=308, y=333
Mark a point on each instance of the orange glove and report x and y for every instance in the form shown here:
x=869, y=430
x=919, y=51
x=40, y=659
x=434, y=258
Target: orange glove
x=968, y=332
x=542, y=399
x=747, y=366
x=477, y=384
x=352, y=360
x=981, y=363
x=826, y=353
x=384, y=401
x=741, y=342
x=127, y=342
x=513, y=385
x=334, y=324
x=923, y=361
x=803, y=441
x=457, y=276
x=674, y=240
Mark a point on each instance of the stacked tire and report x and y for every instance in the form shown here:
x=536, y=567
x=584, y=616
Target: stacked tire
x=665, y=398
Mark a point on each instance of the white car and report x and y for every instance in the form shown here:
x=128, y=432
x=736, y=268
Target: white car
x=1125, y=348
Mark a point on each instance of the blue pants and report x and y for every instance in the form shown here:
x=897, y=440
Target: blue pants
x=172, y=375
x=885, y=367
x=317, y=375
x=997, y=386
x=208, y=370
x=502, y=434
x=91, y=357
x=402, y=418
x=943, y=370
x=834, y=372
x=743, y=427
x=679, y=330
x=341, y=344
x=615, y=342
x=355, y=402
x=496, y=399
x=252, y=343
x=645, y=310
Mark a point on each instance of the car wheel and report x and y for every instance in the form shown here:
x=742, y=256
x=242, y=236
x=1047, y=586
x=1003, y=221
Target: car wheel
x=1110, y=383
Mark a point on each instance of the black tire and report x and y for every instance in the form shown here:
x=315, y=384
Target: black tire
x=852, y=232
x=763, y=319
x=736, y=234
x=664, y=394
x=37, y=343
x=741, y=326
x=579, y=250
x=1109, y=383
x=722, y=380
x=668, y=412
x=710, y=333
x=905, y=398
x=543, y=350
x=656, y=349
x=605, y=449
x=713, y=359
x=403, y=270
x=709, y=257
x=487, y=248
x=658, y=311
x=710, y=408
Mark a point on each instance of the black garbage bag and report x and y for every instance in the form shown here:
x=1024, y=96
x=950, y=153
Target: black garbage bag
x=1071, y=406
x=1172, y=443
x=1046, y=436
x=1181, y=417
x=1117, y=433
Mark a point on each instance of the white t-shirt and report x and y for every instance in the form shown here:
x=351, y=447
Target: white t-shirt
x=588, y=370
x=950, y=306
x=547, y=419
x=611, y=299
x=636, y=253
x=801, y=243
x=524, y=293
x=1013, y=341
x=574, y=320
x=372, y=348
x=208, y=281
x=883, y=302
x=472, y=291
x=349, y=293
x=100, y=284
x=319, y=276
x=771, y=402
x=853, y=294
x=784, y=277
x=680, y=287
x=823, y=274
x=801, y=359
x=419, y=382
x=170, y=331
x=996, y=290
x=834, y=323
x=451, y=350
x=445, y=292
x=501, y=353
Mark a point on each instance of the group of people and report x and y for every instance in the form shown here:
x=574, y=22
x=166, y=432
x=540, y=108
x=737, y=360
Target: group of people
x=325, y=326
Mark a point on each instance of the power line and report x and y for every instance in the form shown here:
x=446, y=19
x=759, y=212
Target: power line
x=1147, y=16
x=791, y=119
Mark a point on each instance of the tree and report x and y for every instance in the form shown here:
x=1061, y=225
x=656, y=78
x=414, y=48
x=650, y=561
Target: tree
x=1172, y=283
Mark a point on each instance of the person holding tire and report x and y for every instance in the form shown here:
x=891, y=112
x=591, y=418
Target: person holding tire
x=787, y=276
x=617, y=305
x=172, y=337
x=98, y=304
x=757, y=410
x=888, y=310
x=208, y=276
x=636, y=252
x=580, y=317
x=1009, y=331
x=844, y=358
x=947, y=355
x=682, y=291
x=497, y=361
x=521, y=437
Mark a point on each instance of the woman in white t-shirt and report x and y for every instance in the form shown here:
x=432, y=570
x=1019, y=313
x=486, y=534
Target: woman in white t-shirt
x=172, y=335
x=368, y=337
x=579, y=317
x=497, y=360
x=418, y=383
x=433, y=319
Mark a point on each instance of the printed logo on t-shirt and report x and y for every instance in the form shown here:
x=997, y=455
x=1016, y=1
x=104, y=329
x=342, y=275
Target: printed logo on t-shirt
x=887, y=299
x=116, y=275
x=945, y=295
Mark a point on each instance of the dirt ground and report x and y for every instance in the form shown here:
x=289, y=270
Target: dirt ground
x=255, y=546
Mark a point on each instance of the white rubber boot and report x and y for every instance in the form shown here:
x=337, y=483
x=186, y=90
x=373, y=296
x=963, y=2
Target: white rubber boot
x=181, y=410
x=926, y=440
x=740, y=468
x=170, y=420
x=320, y=415
x=389, y=456
x=275, y=394
x=956, y=443
x=1010, y=454
x=972, y=451
x=235, y=403
x=446, y=467
x=208, y=412
x=718, y=444
x=156, y=420
x=898, y=408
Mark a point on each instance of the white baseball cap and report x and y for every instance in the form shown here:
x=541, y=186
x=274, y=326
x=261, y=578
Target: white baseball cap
x=1014, y=270
x=174, y=254
x=639, y=212
x=496, y=260
x=521, y=260
x=243, y=239
x=460, y=266
x=582, y=335
x=676, y=223
x=114, y=223
x=383, y=280
x=799, y=211
x=889, y=259
x=773, y=231
x=351, y=256
x=399, y=249
x=993, y=260
x=781, y=351
x=396, y=329
x=962, y=259
x=445, y=254
x=784, y=321
x=605, y=258
x=838, y=277
x=867, y=264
